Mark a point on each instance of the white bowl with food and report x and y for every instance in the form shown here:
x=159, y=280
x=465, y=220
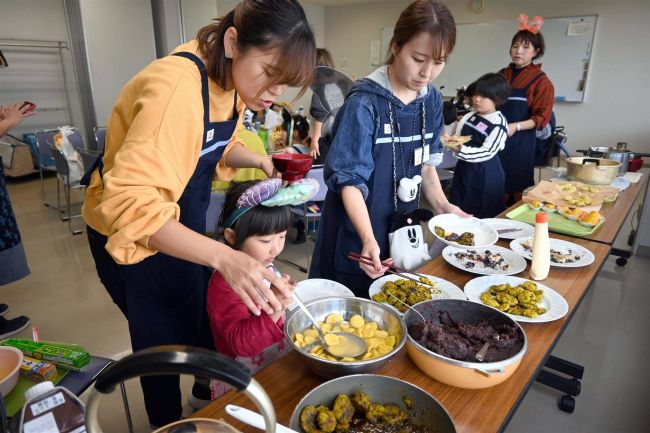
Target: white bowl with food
x=462, y=232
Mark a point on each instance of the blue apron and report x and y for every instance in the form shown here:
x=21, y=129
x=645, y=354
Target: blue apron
x=477, y=187
x=164, y=297
x=518, y=157
x=336, y=234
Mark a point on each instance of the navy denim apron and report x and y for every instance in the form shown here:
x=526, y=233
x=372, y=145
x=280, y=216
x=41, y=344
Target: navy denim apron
x=163, y=297
x=477, y=187
x=518, y=157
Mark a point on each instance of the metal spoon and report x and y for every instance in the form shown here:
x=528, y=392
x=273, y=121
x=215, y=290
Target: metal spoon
x=356, y=346
x=407, y=306
x=480, y=355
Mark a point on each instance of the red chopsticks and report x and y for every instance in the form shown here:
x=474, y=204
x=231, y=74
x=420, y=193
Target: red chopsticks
x=391, y=269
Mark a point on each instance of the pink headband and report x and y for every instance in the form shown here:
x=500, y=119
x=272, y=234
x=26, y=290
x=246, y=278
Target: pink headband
x=533, y=26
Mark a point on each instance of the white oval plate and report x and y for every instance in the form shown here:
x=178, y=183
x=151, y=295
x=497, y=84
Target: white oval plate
x=555, y=304
x=564, y=247
x=523, y=229
x=515, y=261
x=316, y=288
x=484, y=234
x=447, y=289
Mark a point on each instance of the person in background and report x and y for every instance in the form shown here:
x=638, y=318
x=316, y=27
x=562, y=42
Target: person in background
x=528, y=108
x=387, y=130
x=172, y=126
x=13, y=263
x=260, y=232
x=317, y=112
x=478, y=183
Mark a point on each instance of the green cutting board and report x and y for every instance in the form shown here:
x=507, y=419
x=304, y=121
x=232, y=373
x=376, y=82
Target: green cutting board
x=556, y=222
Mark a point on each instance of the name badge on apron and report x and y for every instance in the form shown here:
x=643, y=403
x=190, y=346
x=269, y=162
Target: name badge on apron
x=420, y=155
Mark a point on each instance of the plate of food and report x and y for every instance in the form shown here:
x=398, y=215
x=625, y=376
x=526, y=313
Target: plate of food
x=492, y=260
x=411, y=292
x=454, y=141
x=316, y=288
x=564, y=254
x=462, y=232
x=521, y=299
x=510, y=229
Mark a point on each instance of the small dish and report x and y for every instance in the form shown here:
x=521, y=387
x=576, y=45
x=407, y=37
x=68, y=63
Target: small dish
x=484, y=234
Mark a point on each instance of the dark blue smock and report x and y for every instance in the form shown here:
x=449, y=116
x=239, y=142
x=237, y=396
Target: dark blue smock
x=478, y=187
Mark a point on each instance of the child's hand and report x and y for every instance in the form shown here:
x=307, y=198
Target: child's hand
x=285, y=300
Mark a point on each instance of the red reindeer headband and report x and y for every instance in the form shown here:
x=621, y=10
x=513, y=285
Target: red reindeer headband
x=533, y=26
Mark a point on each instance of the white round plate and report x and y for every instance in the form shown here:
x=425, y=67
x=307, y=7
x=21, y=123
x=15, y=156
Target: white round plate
x=523, y=229
x=316, y=288
x=555, y=304
x=564, y=247
x=484, y=234
x=447, y=290
x=516, y=263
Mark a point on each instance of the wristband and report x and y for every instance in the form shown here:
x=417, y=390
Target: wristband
x=518, y=126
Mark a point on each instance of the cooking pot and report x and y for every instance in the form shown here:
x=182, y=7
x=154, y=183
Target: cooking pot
x=425, y=409
x=166, y=360
x=619, y=153
x=595, y=171
x=463, y=374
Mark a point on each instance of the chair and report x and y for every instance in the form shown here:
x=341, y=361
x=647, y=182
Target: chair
x=76, y=140
x=309, y=216
x=88, y=158
x=100, y=137
x=63, y=174
x=44, y=139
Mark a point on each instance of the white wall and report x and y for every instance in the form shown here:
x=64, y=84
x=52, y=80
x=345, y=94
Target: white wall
x=119, y=42
x=37, y=74
x=615, y=108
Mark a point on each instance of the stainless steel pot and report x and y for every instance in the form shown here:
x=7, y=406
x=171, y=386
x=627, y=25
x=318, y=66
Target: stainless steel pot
x=425, y=410
x=619, y=153
x=165, y=360
x=595, y=171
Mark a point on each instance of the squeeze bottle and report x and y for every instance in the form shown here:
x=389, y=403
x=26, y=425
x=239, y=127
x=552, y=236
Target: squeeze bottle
x=50, y=409
x=541, y=248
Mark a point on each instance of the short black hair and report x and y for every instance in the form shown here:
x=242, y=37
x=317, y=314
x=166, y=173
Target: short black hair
x=259, y=221
x=492, y=86
x=301, y=126
x=535, y=39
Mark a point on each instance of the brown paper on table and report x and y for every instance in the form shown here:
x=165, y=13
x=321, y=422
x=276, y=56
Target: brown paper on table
x=552, y=192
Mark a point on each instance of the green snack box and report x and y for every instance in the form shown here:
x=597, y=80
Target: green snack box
x=59, y=355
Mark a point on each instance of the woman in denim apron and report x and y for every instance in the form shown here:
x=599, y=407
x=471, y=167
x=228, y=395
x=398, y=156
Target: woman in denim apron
x=528, y=108
x=257, y=50
x=387, y=130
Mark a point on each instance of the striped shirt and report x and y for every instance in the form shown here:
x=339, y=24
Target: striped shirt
x=491, y=128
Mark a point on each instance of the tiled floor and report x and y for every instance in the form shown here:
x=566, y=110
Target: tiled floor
x=609, y=334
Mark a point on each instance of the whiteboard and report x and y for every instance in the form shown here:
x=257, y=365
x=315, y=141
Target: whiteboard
x=484, y=47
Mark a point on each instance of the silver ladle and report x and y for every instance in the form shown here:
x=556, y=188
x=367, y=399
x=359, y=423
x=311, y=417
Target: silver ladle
x=352, y=346
x=356, y=346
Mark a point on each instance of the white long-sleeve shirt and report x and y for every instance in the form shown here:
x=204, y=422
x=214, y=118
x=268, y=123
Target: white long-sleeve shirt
x=493, y=143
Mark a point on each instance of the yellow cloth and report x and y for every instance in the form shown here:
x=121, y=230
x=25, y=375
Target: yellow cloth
x=254, y=143
x=153, y=141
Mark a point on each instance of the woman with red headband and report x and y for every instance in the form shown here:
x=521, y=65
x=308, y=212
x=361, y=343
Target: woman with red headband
x=528, y=108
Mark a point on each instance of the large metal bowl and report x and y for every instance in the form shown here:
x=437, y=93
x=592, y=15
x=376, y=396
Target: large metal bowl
x=384, y=390
x=386, y=318
x=462, y=374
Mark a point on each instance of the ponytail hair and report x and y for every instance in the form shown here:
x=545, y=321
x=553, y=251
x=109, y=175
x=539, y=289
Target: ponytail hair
x=266, y=25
